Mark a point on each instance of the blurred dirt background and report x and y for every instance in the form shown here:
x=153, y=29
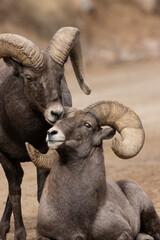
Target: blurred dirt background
x=121, y=49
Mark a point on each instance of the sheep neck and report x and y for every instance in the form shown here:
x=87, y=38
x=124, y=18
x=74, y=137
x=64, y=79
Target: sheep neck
x=84, y=175
x=75, y=191
x=16, y=117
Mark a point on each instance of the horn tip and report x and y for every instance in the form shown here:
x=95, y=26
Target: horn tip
x=86, y=89
x=27, y=145
x=29, y=148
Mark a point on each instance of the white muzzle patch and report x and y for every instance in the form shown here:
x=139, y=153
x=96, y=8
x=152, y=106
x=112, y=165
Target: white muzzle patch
x=55, y=138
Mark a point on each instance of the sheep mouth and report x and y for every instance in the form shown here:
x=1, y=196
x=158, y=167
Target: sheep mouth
x=51, y=122
x=54, y=141
x=55, y=144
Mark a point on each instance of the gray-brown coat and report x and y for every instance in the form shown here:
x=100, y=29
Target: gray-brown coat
x=33, y=91
x=77, y=202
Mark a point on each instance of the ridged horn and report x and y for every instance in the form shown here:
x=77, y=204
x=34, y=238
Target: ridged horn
x=125, y=121
x=22, y=49
x=42, y=161
x=66, y=42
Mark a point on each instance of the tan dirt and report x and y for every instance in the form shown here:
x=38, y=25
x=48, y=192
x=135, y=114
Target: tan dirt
x=135, y=85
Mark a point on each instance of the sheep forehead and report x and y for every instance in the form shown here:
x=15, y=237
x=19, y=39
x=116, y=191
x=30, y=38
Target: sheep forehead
x=87, y=117
x=30, y=71
x=49, y=71
x=81, y=117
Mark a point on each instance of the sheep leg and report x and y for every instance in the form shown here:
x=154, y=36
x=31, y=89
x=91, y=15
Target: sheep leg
x=41, y=178
x=5, y=221
x=126, y=235
x=150, y=221
x=14, y=174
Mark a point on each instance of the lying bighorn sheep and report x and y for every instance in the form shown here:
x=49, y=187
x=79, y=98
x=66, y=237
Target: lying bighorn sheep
x=32, y=94
x=77, y=202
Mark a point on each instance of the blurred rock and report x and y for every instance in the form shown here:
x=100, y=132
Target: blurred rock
x=148, y=5
x=112, y=31
x=85, y=6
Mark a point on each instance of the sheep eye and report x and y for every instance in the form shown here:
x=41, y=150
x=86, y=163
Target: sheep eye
x=29, y=78
x=88, y=125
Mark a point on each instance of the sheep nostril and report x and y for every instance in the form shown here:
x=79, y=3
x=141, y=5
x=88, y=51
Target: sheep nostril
x=54, y=132
x=50, y=134
x=54, y=114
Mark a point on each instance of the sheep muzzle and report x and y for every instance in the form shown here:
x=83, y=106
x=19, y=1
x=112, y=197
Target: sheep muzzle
x=53, y=112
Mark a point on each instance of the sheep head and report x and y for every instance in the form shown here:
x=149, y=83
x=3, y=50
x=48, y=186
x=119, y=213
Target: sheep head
x=42, y=71
x=80, y=131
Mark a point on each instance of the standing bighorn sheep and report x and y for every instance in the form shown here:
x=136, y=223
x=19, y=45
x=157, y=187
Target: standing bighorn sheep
x=77, y=202
x=33, y=92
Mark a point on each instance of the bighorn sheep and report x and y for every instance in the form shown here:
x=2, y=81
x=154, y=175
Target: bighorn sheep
x=33, y=92
x=77, y=202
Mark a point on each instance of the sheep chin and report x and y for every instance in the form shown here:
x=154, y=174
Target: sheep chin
x=54, y=144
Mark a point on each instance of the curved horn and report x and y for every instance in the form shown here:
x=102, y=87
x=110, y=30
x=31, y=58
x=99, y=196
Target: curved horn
x=66, y=42
x=42, y=161
x=24, y=50
x=125, y=121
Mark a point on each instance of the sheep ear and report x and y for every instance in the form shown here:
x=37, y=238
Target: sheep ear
x=12, y=62
x=104, y=133
x=107, y=133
